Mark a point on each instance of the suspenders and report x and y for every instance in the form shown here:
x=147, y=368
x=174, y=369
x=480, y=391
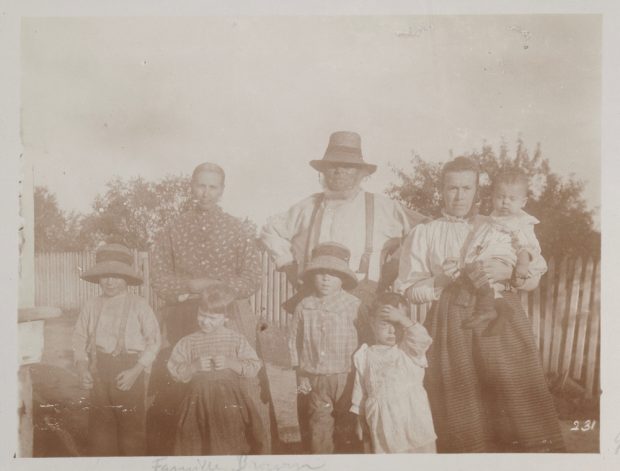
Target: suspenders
x=370, y=223
x=314, y=229
x=120, y=341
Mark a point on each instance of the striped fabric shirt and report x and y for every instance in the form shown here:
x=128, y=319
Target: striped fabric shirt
x=142, y=334
x=323, y=334
x=222, y=341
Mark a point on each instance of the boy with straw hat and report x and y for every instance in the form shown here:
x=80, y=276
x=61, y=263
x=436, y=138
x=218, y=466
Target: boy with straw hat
x=322, y=339
x=116, y=338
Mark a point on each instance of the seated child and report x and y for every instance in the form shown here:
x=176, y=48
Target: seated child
x=322, y=339
x=508, y=236
x=116, y=338
x=217, y=417
x=388, y=395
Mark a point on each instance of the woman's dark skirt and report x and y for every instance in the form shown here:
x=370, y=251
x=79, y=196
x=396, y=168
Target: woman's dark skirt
x=487, y=393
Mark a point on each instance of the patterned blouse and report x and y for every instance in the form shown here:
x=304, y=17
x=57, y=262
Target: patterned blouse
x=202, y=244
x=323, y=333
x=222, y=341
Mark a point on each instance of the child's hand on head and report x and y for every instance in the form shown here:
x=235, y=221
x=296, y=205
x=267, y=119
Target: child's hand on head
x=390, y=313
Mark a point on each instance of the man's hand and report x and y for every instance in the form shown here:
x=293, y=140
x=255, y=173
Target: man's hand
x=292, y=274
x=126, y=379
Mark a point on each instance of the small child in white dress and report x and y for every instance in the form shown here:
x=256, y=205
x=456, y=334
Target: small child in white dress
x=508, y=236
x=388, y=393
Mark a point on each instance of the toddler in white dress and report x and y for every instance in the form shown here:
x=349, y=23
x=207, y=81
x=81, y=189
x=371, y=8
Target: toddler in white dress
x=388, y=394
x=507, y=235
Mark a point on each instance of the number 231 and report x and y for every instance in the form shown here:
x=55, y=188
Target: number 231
x=586, y=426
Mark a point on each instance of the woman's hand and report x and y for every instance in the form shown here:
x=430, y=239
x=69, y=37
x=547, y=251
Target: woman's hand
x=496, y=270
x=126, y=379
x=198, y=285
x=450, y=272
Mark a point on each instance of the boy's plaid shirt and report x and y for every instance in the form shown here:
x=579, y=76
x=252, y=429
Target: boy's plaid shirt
x=323, y=333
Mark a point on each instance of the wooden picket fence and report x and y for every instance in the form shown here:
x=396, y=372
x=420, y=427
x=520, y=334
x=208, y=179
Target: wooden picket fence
x=564, y=309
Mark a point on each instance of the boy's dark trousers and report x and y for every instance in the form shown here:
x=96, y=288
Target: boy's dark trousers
x=332, y=426
x=116, y=422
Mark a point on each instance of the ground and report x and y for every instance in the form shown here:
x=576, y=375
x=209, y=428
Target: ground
x=61, y=407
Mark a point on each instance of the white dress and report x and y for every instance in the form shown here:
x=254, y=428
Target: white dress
x=501, y=237
x=389, y=392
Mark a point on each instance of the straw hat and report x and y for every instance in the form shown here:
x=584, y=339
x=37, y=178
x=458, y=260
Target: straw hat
x=113, y=260
x=335, y=258
x=345, y=147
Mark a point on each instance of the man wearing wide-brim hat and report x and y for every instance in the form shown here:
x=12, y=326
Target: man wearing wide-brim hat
x=366, y=223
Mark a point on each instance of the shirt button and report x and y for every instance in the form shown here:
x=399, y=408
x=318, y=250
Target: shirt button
x=322, y=354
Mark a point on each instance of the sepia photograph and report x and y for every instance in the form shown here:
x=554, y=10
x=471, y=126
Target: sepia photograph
x=252, y=236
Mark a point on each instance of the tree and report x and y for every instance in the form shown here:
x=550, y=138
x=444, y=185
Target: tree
x=133, y=211
x=566, y=224
x=54, y=229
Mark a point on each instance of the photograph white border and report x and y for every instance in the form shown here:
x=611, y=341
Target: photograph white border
x=10, y=15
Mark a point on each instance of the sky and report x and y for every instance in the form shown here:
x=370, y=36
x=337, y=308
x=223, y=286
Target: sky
x=128, y=97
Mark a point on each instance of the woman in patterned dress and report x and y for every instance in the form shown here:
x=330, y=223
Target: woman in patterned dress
x=202, y=247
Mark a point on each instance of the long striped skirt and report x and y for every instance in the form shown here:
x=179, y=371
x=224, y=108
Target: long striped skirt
x=487, y=393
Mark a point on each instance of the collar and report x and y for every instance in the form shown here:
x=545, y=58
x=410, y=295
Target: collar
x=212, y=211
x=450, y=218
x=352, y=197
x=327, y=300
x=521, y=216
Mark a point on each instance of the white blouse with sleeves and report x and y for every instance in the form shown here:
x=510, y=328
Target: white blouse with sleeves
x=425, y=250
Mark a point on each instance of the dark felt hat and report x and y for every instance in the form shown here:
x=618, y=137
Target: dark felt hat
x=345, y=147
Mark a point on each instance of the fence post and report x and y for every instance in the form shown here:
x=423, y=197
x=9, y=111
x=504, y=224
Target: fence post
x=584, y=314
x=571, y=314
x=549, y=297
x=558, y=315
x=593, y=340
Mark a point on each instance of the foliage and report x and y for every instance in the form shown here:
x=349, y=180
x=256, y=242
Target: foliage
x=133, y=211
x=566, y=224
x=54, y=229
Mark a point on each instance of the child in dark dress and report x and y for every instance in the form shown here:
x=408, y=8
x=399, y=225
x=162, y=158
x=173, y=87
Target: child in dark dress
x=216, y=417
